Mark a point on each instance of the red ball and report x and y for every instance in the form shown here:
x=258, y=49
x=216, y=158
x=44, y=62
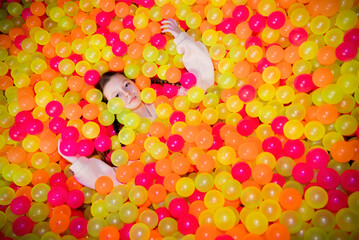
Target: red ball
x=22, y=225
x=20, y=205
x=92, y=77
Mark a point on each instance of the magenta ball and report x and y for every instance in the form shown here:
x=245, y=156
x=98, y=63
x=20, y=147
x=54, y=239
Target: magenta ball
x=70, y=132
x=241, y=171
x=119, y=48
x=103, y=19
x=127, y=22
x=188, y=80
x=346, y=51
x=328, y=178
x=352, y=36
x=217, y=143
x=240, y=13
x=247, y=93
x=22, y=226
x=178, y=207
x=228, y=25
x=177, y=116
x=196, y=195
x=278, y=124
x=263, y=64
x=68, y=147
x=59, y=177
x=144, y=179
x=224, y=237
x=57, y=196
x=17, y=132
x=272, y=145
x=146, y=3
x=162, y=213
x=75, y=58
x=20, y=205
x=57, y=124
x=169, y=90
x=302, y=173
x=294, y=148
x=278, y=179
x=54, y=62
x=85, y=147
x=297, y=36
x=125, y=231
x=75, y=199
x=78, y=227
x=157, y=88
x=175, y=143
x=253, y=40
x=158, y=40
x=303, y=83
x=26, y=13
x=92, y=77
x=34, y=127
x=111, y=38
x=102, y=143
x=350, y=180
x=317, y=158
x=246, y=127
x=18, y=41
x=276, y=20
x=23, y=117
x=151, y=169
x=54, y=109
x=187, y=224
x=257, y=23
x=336, y=200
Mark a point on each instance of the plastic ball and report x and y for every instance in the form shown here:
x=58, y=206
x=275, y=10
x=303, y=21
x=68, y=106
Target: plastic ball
x=20, y=205
x=22, y=226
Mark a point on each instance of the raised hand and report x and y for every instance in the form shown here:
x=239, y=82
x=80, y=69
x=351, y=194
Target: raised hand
x=170, y=25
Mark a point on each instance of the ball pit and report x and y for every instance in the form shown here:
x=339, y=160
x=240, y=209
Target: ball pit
x=270, y=151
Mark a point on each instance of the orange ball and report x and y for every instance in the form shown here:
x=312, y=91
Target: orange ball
x=168, y=11
x=124, y=173
x=204, y=139
x=262, y=174
x=327, y=113
x=275, y=54
x=157, y=193
x=326, y=55
x=173, y=75
x=37, y=8
x=322, y=77
x=180, y=165
x=104, y=185
x=122, y=9
x=205, y=163
x=40, y=176
x=73, y=111
x=290, y=199
x=163, y=167
x=342, y=151
x=16, y=155
x=242, y=69
x=277, y=231
x=109, y=233
x=116, y=64
x=248, y=151
x=107, y=5
x=59, y=223
x=170, y=180
x=206, y=231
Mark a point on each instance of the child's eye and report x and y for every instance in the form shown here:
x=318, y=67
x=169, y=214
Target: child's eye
x=127, y=84
x=117, y=95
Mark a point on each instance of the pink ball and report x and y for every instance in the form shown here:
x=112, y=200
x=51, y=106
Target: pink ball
x=175, y=143
x=188, y=80
x=85, y=147
x=70, y=132
x=272, y=145
x=127, y=22
x=57, y=196
x=57, y=124
x=17, y=132
x=68, y=147
x=317, y=158
x=103, y=19
x=263, y=64
x=78, y=227
x=103, y=30
x=162, y=213
x=336, y=200
x=224, y=237
x=328, y=178
x=158, y=40
x=20, y=205
x=75, y=58
x=75, y=199
x=217, y=128
x=144, y=179
x=253, y=40
x=228, y=25
x=54, y=62
x=26, y=13
x=18, y=41
x=34, y=127
x=352, y=36
x=145, y=3
x=196, y=196
x=177, y=116
x=246, y=127
x=157, y=88
x=102, y=143
x=178, y=207
x=119, y=48
x=169, y=90
x=302, y=173
x=217, y=143
x=247, y=93
x=303, y=83
x=111, y=38
x=278, y=124
x=241, y=171
x=276, y=20
x=54, y=109
x=278, y=179
x=346, y=51
x=187, y=224
x=240, y=13
x=350, y=180
x=22, y=226
x=125, y=231
x=294, y=148
x=257, y=23
x=92, y=77
x=297, y=36
x=23, y=117
x=59, y=177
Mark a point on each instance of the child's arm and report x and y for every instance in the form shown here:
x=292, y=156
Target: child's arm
x=88, y=170
x=195, y=58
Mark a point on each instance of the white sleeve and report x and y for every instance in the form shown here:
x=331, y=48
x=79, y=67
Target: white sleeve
x=196, y=59
x=88, y=170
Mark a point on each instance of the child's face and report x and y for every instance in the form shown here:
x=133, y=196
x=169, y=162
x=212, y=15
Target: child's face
x=121, y=87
